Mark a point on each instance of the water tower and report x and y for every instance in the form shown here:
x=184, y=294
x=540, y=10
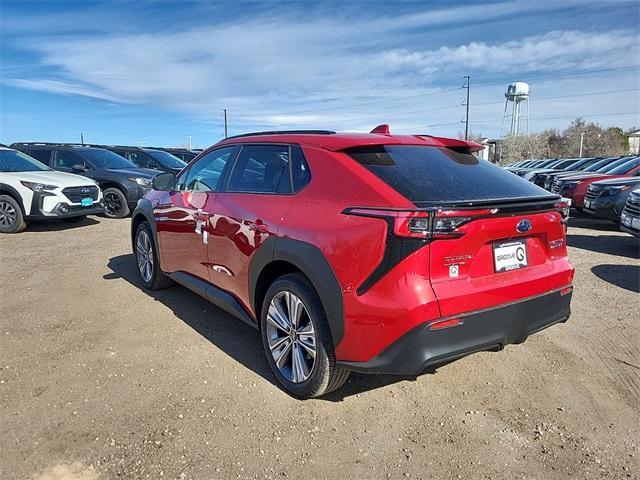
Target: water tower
x=517, y=113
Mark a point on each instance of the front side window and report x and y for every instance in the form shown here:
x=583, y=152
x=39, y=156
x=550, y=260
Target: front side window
x=12, y=161
x=205, y=174
x=140, y=158
x=67, y=159
x=261, y=169
x=101, y=158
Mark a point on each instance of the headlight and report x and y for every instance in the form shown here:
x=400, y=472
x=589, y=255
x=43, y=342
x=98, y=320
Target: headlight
x=145, y=182
x=38, y=187
x=570, y=184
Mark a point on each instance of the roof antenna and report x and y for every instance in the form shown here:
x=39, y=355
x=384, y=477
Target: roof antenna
x=381, y=129
x=82, y=139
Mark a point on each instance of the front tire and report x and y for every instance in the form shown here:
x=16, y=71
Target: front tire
x=115, y=203
x=147, y=260
x=11, y=217
x=297, y=340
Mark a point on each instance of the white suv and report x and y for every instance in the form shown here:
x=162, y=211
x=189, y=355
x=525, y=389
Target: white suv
x=31, y=190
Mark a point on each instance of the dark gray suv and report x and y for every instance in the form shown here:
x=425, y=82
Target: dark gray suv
x=123, y=183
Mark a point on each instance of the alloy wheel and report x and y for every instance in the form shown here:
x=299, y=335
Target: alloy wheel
x=112, y=204
x=7, y=214
x=291, y=337
x=144, y=255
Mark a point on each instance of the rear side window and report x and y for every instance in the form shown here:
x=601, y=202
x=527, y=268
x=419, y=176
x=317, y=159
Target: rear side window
x=299, y=169
x=43, y=156
x=261, y=169
x=441, y=175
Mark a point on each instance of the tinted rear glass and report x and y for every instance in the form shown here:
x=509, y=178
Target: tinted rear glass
x=436, y=175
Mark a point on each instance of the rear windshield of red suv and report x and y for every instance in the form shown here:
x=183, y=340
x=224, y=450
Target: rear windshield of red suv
x=441, y=175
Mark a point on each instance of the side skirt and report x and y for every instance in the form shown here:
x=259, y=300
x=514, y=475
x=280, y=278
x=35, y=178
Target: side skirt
x=215, y=295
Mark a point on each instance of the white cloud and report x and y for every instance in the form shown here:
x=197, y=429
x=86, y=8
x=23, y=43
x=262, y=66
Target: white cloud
x=275, y=72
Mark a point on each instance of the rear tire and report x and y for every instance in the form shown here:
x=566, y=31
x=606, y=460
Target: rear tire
x=11, y=217
x=300, y=352
x=147, y=262
x=115, y=203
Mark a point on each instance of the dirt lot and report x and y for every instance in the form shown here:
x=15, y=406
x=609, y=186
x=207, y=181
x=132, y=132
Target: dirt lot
x=100, y=379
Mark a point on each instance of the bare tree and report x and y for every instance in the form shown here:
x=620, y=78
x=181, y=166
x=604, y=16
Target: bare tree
x=522, y=147
x=596, y=142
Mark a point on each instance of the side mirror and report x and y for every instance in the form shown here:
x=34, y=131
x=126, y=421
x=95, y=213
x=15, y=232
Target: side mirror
x=79, y=167
x=165, y=182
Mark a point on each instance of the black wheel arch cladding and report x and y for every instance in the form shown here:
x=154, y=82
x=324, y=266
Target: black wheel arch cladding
x=144, y=209
x=311, y=262
x=13, y=193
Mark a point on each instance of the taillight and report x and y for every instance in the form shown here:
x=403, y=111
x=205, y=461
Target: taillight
x=405, y=223
x=564, y=207
x=442, y=324
x=431, y=223
x=446, y=222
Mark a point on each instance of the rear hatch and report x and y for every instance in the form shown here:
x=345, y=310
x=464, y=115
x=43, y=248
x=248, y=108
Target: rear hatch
x=494, y=237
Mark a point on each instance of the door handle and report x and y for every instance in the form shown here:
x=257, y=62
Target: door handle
x=200, y=215
x=259, y=227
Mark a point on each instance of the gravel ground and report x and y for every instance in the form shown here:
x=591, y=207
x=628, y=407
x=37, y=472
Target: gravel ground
x=100, y=379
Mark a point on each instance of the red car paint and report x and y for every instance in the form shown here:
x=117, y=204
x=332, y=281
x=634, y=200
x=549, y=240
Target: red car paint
x=577, y=193
x=417, y=290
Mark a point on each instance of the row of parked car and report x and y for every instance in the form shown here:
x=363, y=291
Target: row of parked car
x=70, y=181
x=608, y=188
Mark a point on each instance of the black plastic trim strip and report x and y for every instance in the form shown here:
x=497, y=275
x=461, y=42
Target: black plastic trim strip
x=396, y=249
x=215, y=295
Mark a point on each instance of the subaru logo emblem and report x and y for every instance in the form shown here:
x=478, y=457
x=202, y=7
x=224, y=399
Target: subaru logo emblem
x=84, y=190
x=524, y=226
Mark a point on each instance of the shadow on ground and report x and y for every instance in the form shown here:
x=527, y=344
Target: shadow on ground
x=623, y=246
x=589, y=222
x=623, y=276
x=235, y=338
x=55, y=225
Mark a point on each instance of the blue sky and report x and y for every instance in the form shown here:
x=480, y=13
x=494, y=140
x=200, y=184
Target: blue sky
x=126, y=72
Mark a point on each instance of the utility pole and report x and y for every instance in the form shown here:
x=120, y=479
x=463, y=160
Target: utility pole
x=225, y=123
x=189, y=137
x=581, y=143
x=467, y=85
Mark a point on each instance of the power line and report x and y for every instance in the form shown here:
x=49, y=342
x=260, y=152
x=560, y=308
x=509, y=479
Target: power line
x=438, y=92
x=450, y=107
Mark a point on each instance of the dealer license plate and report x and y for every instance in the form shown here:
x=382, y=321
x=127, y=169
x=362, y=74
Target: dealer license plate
x=86, y=202
x=510, y=255
x=635, y=223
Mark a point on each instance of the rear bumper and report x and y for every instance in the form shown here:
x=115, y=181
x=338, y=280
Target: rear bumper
x=487, y=330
